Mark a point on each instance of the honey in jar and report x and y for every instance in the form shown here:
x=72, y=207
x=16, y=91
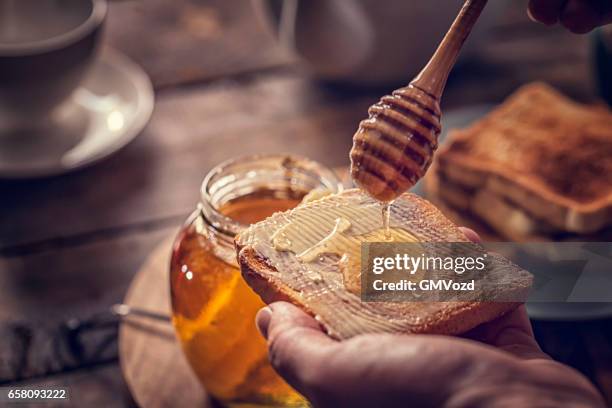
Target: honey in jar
x=213, y=308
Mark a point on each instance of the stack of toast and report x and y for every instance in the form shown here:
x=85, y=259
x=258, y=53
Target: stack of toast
x=537, y=167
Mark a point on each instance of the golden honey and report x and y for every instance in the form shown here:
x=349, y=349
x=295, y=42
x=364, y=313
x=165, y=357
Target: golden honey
x=213, y=308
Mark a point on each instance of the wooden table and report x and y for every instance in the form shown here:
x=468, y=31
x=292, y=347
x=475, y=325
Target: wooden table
x=70, y=245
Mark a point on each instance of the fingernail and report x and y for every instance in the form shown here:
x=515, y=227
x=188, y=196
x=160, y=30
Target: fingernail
x=262, y=321
x=531, y=17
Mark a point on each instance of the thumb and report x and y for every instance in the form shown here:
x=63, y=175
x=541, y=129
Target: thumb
x=512, y=333
x=296, y=344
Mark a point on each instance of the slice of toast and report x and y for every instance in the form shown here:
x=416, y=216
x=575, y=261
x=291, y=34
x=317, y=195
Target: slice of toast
x=546, y=154
x=319, y=287
x=483, y=211
x=493, y=215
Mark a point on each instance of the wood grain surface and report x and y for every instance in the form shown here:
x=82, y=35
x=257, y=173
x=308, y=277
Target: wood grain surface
x=70, y=245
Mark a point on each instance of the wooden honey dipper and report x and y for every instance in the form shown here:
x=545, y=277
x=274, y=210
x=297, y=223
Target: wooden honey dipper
x=393, y=148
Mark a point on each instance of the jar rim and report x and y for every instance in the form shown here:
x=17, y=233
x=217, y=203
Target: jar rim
x=228, y=226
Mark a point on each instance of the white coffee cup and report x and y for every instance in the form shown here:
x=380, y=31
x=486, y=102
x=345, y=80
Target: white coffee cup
x=46, y=47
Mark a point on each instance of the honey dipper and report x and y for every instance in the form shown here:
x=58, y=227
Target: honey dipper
x=393, y=148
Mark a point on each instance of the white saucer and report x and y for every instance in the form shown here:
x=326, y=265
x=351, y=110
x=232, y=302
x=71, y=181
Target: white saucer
x=106, y=112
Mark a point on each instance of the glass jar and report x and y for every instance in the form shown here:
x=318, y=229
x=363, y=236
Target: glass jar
x=213, y=308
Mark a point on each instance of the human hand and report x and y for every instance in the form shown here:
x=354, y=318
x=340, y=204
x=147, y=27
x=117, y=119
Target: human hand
x=579, y=16
x=496, y=364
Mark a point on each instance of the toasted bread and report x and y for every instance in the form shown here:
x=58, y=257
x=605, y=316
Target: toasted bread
x=319, y=287
x=493, y=216
x=542, y=153
x=486, y=213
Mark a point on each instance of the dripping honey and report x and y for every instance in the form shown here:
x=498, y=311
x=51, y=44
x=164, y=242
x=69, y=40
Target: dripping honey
x=338, y=233
x=386, y=217
x=214, y=309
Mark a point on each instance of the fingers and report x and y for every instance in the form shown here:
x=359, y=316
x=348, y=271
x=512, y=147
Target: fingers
x=296, y=344
x=511, y=333
x=471, y=234
x=581, y=16
x=545, y=11
x=578, y=16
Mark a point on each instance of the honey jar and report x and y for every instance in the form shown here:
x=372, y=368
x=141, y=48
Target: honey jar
x=213, y=308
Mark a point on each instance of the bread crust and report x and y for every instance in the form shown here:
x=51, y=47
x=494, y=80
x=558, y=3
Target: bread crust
x=458, y=318
x=494, y=222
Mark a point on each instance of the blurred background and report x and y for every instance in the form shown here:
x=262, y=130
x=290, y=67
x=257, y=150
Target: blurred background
x=234, y=77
